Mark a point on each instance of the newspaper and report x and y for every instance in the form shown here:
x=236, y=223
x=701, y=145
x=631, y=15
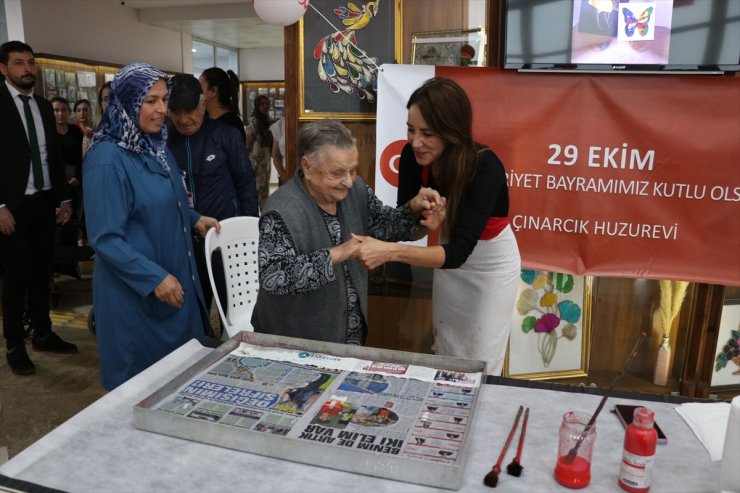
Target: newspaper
x=376, y=407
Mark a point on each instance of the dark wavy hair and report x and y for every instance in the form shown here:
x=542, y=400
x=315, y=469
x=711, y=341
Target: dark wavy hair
x=263, y=122
x=447, y=110
x=100, y=92
x=227, y=86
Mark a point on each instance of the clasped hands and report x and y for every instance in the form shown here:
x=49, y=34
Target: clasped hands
x=431, y=206
x=372, y=252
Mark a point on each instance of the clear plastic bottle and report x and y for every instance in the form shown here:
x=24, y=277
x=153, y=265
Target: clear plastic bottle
x=640, y=440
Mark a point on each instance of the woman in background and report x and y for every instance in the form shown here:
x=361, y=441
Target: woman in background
x=477, y=267
x=103, y=97
x=84, y=116
x=259, y=145
x=221, y=92
x=146, y=290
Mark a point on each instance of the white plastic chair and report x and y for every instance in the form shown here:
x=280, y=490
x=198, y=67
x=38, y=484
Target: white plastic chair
x=238, y=242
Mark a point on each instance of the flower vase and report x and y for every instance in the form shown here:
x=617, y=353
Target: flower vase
x=662, y=362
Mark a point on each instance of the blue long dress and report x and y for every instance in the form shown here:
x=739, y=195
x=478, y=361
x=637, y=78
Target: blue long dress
x=139, y=223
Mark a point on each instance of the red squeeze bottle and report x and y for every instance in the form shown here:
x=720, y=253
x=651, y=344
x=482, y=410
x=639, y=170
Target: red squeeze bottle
x=640, y=440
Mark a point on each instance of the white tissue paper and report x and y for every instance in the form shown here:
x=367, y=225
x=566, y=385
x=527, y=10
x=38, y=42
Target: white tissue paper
x=729, y=476
x=708, y=421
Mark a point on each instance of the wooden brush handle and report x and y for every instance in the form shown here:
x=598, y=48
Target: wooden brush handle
x=572, y=453
x=521, y=436
x=511, y=435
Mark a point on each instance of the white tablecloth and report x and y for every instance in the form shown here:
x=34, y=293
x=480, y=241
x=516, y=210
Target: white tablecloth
x=100, y=450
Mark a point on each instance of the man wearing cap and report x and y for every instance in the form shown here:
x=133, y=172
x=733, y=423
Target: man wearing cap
x=214, y=164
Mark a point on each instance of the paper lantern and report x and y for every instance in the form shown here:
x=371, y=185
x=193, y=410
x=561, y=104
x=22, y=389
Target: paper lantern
x=280, y=12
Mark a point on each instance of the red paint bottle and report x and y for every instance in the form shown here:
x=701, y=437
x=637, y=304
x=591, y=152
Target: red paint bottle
x=640, y=440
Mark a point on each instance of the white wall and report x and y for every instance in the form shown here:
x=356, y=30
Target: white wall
x=102, y=31
x=261, y=64
x=13, y=18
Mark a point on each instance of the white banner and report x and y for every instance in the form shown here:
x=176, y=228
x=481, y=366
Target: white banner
x=395, y=85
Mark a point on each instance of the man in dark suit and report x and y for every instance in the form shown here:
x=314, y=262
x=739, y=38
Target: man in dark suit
x=32, y=186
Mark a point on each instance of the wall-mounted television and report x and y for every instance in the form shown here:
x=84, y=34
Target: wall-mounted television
x=688, y=36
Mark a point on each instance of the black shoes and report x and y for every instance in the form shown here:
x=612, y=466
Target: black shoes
x=19, y=362
x=53, y=343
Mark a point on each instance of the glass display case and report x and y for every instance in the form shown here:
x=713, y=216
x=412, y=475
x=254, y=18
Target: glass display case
x=72, y=79
x=274, y=90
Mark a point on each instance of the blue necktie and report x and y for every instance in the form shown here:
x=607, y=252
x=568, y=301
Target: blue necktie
x=33, y=142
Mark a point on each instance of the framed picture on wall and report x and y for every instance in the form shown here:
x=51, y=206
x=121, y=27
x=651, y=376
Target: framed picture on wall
x=272, y=90
x=550, y=333
x=449, y=48
x=726, y=370
x=338, y=68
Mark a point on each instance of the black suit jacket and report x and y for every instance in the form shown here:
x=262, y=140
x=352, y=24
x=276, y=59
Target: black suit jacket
x=15, y=154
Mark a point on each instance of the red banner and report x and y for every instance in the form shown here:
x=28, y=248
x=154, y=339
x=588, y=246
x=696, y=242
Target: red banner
x=617, y=175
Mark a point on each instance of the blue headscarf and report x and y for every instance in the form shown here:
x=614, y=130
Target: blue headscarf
x=120, y=122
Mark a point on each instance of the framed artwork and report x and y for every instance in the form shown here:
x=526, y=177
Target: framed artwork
x=450, y=48
x=73, y=79
x=50, y=78
x=551, y=332
x=341, y=50
x=275, y=92
x=86, y=78
x=726, y=370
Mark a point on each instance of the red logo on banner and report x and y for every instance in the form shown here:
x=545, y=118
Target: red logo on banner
x=389, y=161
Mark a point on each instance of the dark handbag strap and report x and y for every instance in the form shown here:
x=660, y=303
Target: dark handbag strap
x=199, y=163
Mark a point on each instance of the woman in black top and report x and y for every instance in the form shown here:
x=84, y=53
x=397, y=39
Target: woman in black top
x=477, y=263
x=221, y=91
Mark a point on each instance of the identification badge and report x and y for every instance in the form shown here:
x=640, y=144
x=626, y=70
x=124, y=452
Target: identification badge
x=184, y=176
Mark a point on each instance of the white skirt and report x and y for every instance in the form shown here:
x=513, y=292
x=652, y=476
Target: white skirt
x=473, y=305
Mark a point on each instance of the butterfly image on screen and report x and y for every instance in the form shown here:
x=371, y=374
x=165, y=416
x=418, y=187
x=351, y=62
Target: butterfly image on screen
x=631, y=22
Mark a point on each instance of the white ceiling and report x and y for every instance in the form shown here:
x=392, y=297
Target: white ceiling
x=232, y=23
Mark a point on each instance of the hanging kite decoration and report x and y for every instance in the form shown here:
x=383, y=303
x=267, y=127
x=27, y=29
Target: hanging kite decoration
x=342, y=64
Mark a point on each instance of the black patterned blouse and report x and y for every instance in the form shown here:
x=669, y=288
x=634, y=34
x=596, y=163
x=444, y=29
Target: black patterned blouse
x=285, y=272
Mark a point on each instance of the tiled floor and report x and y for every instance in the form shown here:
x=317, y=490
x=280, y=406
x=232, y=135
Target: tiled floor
x=63, y=383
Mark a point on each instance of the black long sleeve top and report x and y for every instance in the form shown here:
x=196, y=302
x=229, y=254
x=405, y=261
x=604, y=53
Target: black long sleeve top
x=487, y=196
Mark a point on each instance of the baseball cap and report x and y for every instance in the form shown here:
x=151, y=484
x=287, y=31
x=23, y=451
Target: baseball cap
x=185, y=92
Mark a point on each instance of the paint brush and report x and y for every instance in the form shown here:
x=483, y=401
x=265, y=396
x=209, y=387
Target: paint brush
x=491, y=478
x=572, y=453
x=515, y=468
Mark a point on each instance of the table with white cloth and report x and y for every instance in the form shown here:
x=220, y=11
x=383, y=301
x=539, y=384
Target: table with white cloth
x=100, y=450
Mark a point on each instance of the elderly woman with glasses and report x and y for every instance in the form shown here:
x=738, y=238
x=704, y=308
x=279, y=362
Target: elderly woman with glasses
x=310, y=285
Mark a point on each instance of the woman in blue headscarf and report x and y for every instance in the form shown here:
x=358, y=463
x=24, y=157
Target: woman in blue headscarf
x=146, y=290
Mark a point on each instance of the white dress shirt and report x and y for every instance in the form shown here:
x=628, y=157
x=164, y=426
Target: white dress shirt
x=40, y=134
